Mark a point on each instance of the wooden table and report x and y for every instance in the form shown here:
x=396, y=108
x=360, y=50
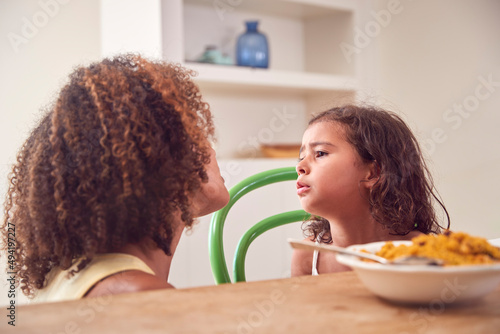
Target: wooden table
x=326, y=303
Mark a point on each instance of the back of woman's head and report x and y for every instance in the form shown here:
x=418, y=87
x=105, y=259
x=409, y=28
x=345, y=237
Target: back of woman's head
x=111, y=163
x=402, y=198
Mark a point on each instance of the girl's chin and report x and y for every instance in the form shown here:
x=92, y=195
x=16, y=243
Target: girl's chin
x=310, y=210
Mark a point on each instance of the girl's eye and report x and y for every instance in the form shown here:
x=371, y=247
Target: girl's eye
x=320, y=154
x=300, y=159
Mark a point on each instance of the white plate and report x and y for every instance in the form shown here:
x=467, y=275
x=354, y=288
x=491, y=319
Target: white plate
x=422, y=284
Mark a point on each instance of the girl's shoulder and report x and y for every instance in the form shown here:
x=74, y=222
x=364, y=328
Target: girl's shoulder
x=302, y=261
x=408, y=236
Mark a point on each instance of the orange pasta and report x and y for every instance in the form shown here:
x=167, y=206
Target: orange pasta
x=455, y=248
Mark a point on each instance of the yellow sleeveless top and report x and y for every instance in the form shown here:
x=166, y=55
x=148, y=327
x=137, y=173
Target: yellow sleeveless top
x=61, y=286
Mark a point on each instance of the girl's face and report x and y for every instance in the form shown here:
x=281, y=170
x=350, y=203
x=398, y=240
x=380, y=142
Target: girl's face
x=330, y=172
x=213, y=195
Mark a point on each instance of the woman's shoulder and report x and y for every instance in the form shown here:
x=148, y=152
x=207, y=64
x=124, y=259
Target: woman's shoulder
x=127, y=281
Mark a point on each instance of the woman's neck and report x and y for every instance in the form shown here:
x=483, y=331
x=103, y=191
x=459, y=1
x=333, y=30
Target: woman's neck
x=154, y=257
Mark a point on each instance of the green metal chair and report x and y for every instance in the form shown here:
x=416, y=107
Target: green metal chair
x=215, y=240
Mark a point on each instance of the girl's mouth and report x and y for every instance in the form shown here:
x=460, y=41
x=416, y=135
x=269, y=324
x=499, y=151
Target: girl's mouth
x=302, y=188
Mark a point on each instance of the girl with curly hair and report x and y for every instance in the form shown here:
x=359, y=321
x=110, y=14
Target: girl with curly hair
x=108, y=180
x=362, y=175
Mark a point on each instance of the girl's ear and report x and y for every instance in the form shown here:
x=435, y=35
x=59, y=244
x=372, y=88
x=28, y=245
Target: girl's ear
x=373, y=174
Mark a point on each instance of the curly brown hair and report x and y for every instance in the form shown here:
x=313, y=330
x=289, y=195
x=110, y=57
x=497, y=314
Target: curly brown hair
x=112, y=162
x=402, y=198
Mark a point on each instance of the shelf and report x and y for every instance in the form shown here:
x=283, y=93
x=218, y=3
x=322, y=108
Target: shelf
x=242, y=78
x=303, y=36
x=289, y=8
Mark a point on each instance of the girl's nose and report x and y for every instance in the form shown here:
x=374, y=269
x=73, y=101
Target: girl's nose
x=301, y=168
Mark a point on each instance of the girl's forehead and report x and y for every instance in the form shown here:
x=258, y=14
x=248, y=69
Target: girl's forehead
x=325, y=129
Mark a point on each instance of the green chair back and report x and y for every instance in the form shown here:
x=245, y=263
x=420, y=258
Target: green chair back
x=215, y=240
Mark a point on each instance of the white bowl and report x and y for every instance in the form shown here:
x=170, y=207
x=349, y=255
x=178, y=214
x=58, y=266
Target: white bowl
x=422, y=284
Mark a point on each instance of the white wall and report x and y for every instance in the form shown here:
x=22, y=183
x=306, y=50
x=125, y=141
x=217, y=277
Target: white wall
x=41, y=41
x=434, y=56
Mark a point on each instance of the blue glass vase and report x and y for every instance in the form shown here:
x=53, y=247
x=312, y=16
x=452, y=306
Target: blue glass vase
x=252, y=48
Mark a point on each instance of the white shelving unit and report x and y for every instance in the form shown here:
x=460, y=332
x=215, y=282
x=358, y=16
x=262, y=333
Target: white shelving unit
x=308, y=72
x=303, y=37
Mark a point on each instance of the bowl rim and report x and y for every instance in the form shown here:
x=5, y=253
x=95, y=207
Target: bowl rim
x=355, y=262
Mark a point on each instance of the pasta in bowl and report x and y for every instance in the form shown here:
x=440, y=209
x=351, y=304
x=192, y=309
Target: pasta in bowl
x=469, y=271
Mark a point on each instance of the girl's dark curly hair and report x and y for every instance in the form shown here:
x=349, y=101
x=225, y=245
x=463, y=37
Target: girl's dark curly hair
x=112, y=162
x=402, y=199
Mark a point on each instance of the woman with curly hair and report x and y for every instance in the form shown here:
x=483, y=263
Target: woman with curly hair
x=362, y=175
x=108, y=180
